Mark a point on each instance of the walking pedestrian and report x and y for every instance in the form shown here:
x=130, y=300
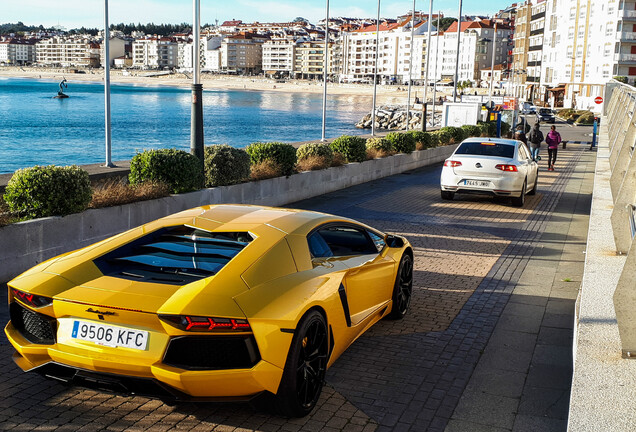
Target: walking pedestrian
x=521, y=136
x=535, y=137
x=552, y=140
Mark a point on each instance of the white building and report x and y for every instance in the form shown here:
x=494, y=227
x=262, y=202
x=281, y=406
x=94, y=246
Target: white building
x=116, y=48
x=586, y=44
x=208, y=43
x=155, y=53
x=68, y=51
x=278, y=57
x=242, y=53
x=15, y=51
x=358, y=57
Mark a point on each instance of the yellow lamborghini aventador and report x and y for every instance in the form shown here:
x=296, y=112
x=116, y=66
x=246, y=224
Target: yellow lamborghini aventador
x=214, y=303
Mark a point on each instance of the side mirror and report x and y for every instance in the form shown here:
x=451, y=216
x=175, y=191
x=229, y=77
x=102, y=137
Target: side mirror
x=393, y=241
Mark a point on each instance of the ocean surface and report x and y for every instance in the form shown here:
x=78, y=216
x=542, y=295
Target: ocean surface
x=36, y=129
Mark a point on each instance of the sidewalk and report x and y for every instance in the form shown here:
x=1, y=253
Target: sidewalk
x=522, y=381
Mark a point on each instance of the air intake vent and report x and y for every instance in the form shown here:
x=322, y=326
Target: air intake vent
x=176, y=255
x=36, y=328
x=212, y=352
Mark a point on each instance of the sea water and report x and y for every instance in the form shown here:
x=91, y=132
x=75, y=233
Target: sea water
x=37, y=129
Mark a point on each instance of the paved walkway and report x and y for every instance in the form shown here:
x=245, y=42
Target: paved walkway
x=491, y=315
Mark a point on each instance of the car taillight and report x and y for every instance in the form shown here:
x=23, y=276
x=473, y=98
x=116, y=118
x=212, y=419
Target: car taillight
x=198, y=323
x=505, y=167
x=452, y=163
x=32, y=300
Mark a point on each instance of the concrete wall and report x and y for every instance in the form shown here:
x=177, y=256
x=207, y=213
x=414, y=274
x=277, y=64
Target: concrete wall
x=25, y=244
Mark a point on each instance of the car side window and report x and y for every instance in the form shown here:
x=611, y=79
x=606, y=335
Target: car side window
x=377, y=240
x=341, y=241
x=523, y=152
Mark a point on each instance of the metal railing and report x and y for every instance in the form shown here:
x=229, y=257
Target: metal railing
x=620, y=128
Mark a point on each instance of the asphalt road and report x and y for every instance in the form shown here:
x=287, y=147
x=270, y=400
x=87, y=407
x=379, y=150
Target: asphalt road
x=415, y=374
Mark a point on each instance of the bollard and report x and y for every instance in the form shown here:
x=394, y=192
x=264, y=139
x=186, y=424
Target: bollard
x=498, y=124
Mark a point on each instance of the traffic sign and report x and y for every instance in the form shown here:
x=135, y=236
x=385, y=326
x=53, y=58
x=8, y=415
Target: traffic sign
x=598, y=100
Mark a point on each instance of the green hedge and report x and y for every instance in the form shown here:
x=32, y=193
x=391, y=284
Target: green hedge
x=180, y=170
x=315, y=150
x=472, y=130
x=281, y=154
x=225, y=165
x=42, y=191
x=352, y=148
x=402, y=142
x=380, y=144
x=457, y=134
x=444, y=137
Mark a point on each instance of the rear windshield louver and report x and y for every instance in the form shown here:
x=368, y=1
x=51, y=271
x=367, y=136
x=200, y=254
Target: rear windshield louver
x=175, y=255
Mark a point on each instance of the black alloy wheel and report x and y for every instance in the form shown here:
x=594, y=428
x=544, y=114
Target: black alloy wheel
x=403, y=288
x=304, y=373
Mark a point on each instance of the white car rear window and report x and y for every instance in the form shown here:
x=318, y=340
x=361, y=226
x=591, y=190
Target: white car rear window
x=487, y=149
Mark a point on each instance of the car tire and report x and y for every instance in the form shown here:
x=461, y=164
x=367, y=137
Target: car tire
x=304, y=373
x=521, y=199
x=534, y=188
x=447, y=195
x=403, y=288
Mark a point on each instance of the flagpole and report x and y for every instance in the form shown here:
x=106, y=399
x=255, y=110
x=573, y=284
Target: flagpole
x=196, y=114
x=428, y=57
x=408, y=97
x=459, y=32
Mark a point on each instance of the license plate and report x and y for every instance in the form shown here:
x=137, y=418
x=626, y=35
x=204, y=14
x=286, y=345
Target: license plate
x=111, y=336
x=477, y=183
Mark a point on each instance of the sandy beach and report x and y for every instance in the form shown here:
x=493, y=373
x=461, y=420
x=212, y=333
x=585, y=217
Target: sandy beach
x=385, y=94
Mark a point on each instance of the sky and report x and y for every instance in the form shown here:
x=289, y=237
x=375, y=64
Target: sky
x=90, y=13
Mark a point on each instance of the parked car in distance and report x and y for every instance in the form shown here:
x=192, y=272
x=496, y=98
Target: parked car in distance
x=529, y=109
x=545, y=115
x=491, y=166
x=220, y=302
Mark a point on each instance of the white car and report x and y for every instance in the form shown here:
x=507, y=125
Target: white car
x=492, y=166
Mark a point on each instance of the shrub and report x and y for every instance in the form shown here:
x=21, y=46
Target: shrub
x=265, y=170
x=379, y=144
x=313, y=163
x=117, y=192
x=488, y=129
x=457, y=134
x=177, y=168
x=352, y=148
x=472, y=130
x=338, y=160
x=315, y=150
x=402, y=142
x=225, y=165
x=587, y=118
x=444, y=137
x=280, y=154
x=421, y=139
x=42, y=191
x=505, y=128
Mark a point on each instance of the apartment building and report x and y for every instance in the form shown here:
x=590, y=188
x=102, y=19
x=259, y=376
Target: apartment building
x=279, y=55
x=155, y=53
x=16, y=51
x=116, y=48
x=68, y=51
x=242, y=53
x=521, y=43
x=475, y=52
x=586, y=44
x=208, y=53
x=535, y=50
x=309, y=61
x=358, y=58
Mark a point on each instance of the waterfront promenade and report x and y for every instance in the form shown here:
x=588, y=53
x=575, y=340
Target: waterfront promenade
x=486, y=345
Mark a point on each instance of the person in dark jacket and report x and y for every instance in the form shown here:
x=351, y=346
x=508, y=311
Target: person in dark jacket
x=535, y=137
x=552, y=140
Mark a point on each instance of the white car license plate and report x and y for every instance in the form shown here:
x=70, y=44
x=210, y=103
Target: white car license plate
x=477, y=183
x=108, y=335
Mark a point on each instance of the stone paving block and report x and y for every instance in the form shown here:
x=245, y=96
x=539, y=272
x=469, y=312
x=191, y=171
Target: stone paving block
x=544, y=402
x=483, y=408
x=554, y=355
x=497, y=381
x=555, y=336
x=526, y=423
x=550, y=376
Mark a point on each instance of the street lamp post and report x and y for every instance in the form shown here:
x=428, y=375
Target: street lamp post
x=375, y=71
x=196, y=118
x=109, y=162
x=459, y=32
x=324, y=76
x=408, y=97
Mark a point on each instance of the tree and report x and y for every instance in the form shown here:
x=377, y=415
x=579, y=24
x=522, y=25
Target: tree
x=300, y=19
x=444, y=23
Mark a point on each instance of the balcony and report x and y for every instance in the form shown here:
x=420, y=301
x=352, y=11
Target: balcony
x=625, y=58
x=536, y=32
x=629, y=15
x=535, y=48
x=537, y=16
x=628, y=36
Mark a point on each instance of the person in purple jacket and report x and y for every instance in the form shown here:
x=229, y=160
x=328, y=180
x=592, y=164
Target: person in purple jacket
x=552, y=140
